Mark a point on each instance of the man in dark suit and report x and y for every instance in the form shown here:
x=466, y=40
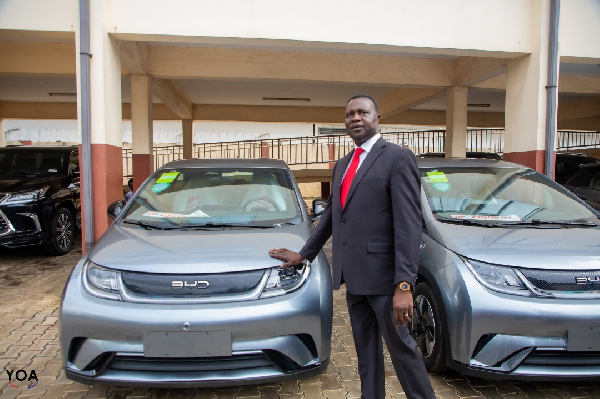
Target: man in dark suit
x=374, y=218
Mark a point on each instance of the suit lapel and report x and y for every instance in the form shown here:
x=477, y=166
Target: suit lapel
x=365, y=166
x=337, y=178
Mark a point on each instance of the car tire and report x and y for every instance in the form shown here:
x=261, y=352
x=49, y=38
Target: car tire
x=426, y=328
x=62, y=229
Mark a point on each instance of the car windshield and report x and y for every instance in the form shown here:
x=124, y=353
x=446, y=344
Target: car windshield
x=499, y=195
x=32, y=161
x=215, y=197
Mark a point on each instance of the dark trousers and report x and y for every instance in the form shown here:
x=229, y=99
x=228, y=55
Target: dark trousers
x=371, y=317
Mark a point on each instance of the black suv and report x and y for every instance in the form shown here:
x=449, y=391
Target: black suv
x=39, y=197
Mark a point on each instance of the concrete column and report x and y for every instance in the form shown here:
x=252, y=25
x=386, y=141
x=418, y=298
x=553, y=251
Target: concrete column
x=456, y=122
x=188, y=138
x=2, y=134
x=525, y=115
x=105, y=109
x=141, y=128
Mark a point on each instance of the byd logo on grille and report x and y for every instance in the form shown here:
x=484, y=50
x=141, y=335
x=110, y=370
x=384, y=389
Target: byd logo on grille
x=21, y=378
x=595, y=280
x=179, y=284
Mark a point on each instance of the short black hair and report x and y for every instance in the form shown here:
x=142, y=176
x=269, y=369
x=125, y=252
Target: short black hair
x=130, y=181
x=365, y=96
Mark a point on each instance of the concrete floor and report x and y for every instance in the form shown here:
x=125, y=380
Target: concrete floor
x=30, y=288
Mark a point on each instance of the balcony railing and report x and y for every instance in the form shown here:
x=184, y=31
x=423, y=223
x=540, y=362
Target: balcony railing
x=324, y=149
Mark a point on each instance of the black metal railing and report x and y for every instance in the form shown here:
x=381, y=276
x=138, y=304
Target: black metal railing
x=323, y=149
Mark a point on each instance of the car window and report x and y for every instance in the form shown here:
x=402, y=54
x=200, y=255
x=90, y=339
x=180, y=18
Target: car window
x=203, y=196
x=582, y=178
x=499, y=195
x=33, y=162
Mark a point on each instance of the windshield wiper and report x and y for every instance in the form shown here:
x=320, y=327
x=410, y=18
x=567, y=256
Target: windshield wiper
x=223, y=225
x=537, y=222
x=149, y=226
x=468, y=222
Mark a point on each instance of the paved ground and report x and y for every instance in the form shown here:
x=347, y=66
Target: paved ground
x=30, y=288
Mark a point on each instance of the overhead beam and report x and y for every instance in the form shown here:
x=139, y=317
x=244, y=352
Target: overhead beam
x=405, y=98
x=473, y=70
x=576, y=84
x=37, y=58
x=171, y=96
x=580, y=109
x=199, y=62
x=134, y=56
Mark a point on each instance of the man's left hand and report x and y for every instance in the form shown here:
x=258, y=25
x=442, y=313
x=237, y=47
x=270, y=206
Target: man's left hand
x=402, y=303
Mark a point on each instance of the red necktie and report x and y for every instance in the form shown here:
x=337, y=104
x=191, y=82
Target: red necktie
x=347, y=182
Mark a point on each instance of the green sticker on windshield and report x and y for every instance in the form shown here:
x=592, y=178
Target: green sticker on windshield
x=167, y=177
x=439, y=180
x=159, y=187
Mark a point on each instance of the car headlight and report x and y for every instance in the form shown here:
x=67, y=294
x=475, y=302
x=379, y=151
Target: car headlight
x=497, y=278
x=100, y=281
x=282, y=281
x=26, y=196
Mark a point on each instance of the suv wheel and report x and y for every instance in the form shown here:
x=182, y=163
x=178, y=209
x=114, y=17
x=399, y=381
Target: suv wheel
x=62, y=227
x=426, y=329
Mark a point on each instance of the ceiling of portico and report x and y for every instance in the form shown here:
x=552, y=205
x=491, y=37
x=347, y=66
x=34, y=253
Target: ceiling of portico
x=269, y=74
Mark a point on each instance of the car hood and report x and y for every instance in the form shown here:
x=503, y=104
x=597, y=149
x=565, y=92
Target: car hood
x=194, y=251
x=16, y=183
x=547, y=248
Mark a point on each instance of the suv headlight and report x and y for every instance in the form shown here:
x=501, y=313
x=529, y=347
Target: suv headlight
x=497, y=278
x=26, y=196
x=283, y=281
x=100, y=281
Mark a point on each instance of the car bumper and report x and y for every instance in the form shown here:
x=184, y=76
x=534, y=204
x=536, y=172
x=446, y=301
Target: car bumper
x=516, y=337
x=107, y=341
x=20, y=226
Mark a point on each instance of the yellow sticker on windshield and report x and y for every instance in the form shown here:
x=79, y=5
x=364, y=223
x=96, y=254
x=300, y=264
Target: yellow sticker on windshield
x=439, y=180
x=167, y=177
x=437, y=177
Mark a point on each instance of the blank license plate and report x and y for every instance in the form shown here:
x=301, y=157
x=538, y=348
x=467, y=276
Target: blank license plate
x=583, y=339
x=187, y=344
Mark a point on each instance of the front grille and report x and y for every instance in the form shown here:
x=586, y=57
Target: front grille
x=235, y=362
x=193, y=285
x=563, y=280
x=4, y=227
x=562, y=359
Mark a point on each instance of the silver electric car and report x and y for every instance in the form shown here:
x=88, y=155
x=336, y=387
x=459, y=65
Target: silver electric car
x=509, y=275
x=181, y=291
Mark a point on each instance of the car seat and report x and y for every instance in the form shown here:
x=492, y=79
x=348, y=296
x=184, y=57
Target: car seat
x=195, y=194
x=264, y=194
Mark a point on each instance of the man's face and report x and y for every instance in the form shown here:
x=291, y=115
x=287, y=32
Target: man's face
x=362, y=121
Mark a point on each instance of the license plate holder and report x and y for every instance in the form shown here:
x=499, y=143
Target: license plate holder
x=583, y=339
x=187, y=344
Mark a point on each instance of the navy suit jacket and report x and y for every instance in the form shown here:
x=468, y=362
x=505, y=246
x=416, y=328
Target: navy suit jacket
x=376, y=237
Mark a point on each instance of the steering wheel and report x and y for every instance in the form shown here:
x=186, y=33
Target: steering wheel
x=260, y=203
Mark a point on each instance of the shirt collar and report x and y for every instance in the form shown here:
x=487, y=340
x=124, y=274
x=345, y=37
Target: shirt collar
x=367, y=145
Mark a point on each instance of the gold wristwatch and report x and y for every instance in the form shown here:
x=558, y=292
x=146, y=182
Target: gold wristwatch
x=404, y=286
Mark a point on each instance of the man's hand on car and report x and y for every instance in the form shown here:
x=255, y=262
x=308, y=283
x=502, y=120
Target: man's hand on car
x=290, y=257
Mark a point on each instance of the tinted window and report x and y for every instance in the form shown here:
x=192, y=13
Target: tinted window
x=33, y=162
x=583, y=177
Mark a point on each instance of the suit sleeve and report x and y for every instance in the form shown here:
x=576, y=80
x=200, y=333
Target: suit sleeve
x=321, y=233
x=405, y=187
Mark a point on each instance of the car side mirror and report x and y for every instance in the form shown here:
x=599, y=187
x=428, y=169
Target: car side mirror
x=318, y=206
x=115, y=209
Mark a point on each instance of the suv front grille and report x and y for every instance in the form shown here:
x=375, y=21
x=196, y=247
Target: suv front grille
x=4, y=226
x=191, y=285
x=581, y=281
